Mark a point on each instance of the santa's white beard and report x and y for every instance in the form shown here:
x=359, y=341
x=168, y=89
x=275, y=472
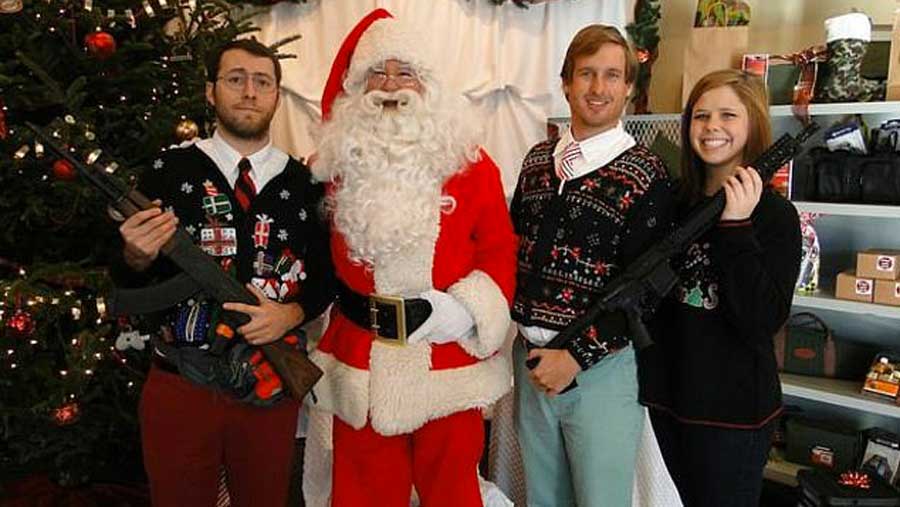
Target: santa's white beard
x=389, y=165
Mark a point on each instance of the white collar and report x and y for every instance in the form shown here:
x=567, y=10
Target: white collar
x=597, y=150
x=267, y=162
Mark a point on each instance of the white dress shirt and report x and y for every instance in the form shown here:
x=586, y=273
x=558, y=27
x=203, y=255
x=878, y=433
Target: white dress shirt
x=266, y=163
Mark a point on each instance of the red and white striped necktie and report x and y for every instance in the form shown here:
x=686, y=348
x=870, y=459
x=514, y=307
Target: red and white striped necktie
x=244, y=189
x=565, y=168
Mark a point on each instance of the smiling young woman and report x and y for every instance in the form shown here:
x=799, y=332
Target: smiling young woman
x=717, y=393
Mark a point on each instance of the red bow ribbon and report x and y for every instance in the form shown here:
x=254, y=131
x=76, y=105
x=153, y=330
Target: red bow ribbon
x=808, y=61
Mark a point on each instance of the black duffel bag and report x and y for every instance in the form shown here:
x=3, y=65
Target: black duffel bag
x=842, y=176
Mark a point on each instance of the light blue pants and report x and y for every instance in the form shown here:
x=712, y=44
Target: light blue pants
x=579, y=448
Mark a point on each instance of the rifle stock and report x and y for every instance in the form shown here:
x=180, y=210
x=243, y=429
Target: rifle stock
x=297, y=372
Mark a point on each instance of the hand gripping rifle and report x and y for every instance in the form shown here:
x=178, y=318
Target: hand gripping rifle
x=650, y=277
x=200, y=273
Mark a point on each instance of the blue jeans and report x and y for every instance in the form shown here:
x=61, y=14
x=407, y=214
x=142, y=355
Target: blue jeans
x=713, y=466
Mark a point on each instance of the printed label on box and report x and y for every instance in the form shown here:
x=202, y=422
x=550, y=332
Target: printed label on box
x=756, y=64
x=863, y=287
x=823, y=456
x=804, y=353
x=884, y=263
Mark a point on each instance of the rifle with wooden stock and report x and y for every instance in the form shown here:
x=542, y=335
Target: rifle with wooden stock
x=200, y=274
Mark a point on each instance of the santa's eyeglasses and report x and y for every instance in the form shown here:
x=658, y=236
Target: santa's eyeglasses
x=237, y=80
x=403, y=77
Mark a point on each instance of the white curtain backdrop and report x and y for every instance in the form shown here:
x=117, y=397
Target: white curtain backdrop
x=504, y=59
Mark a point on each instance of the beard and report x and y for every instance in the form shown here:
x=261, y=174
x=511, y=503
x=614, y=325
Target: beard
x=242, y=127
x=389, y=154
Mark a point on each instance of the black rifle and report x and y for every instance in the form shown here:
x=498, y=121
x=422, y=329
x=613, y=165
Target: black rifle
x=200, y=273
x=650, y=277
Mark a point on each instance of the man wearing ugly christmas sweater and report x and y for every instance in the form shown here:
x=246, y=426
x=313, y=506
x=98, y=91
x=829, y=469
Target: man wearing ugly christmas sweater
x=585, y=206
x=253, y=209
x=425, y=257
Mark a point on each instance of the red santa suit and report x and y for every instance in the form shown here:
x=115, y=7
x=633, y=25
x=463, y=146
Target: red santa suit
x=411, y=414
x=403, y=387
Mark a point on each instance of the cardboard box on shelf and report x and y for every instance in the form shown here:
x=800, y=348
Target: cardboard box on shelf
x=781, y=180
x=850, y=286
x=882, y=454
x=884, y=375
x=887, y=292
x=878, y=263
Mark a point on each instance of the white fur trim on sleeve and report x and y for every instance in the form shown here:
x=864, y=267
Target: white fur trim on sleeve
x=485, y=301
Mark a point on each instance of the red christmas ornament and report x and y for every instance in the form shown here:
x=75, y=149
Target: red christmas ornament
x=643, y=56
x=21, y=323
x=4, y=130
x=63, y=170
x=100, y=44
x=66, y=414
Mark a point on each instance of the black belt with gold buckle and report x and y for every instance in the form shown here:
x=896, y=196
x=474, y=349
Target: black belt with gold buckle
x=391, y=318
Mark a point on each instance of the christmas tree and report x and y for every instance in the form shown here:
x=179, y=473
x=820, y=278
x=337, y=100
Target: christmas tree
x=644, y=33
x=116, y=81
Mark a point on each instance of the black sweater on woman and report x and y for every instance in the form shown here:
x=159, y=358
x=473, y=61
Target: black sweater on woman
x=714, y=362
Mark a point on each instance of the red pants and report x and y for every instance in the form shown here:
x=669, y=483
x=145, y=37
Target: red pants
x=440, y=458
x=188, y=432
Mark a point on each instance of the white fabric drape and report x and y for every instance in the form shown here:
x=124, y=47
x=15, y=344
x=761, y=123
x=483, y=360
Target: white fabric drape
x=504, y=59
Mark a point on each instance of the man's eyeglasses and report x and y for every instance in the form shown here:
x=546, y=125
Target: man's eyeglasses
x=404, y=77
x=236, y=80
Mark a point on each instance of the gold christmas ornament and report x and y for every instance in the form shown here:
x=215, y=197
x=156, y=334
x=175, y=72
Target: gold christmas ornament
x=10, y=6
x=186, y=130
x=174, y=28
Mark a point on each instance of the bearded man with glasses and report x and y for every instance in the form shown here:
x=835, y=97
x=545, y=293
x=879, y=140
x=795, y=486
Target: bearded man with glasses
x=209, y=402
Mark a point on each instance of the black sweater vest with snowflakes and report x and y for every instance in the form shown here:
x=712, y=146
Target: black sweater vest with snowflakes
x=714, y=360
x=602, y=221
x=279, y=244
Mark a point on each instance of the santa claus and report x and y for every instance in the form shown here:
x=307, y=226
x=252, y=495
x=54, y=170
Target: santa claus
x=425, y=254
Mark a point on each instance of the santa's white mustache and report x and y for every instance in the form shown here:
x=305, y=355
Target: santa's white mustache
x=403, y=101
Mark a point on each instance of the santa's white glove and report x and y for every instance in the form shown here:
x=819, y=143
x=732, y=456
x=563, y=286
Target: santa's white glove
x=449, y=320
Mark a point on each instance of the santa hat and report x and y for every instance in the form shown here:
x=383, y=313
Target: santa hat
x=376, y=38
